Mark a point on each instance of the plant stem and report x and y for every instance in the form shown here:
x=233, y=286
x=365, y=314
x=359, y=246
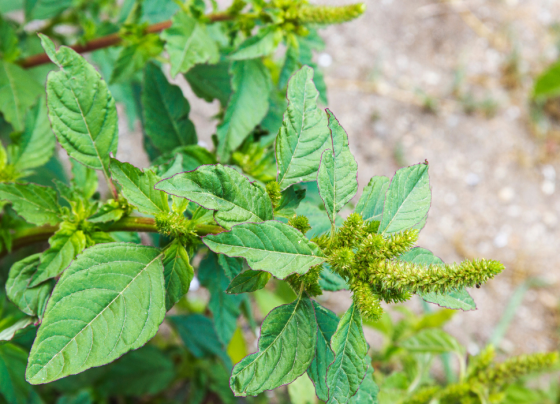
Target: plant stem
x=34, y=235
x=110, y=40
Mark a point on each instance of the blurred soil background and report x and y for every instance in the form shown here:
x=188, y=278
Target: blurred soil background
x=450, y=82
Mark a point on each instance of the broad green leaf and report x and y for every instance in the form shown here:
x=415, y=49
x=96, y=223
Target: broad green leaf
x=178, y=273
x=290, y=65
x=286, y=348
x=301, y=391
x=318, y=219
x=289, y=202
x=31, y=301
x=36, y=145
x=188, y=43
x=232, y=266
x=84, y=179
x=350, y=348
x=224, y=307
x=10, y=5
x=18, y=92
x=455, y=299
x=337, y=178
x=145, y=371
x=548, y=83
x=81, y=108
x=166, y=112
x=262, y=44
x=331, y=281
x=158, y=10
x=368, y=392
x=211, y=82
x=324, y=356
x=13, y=386
x=223, y=189
x=36, y=204
x=370, y=205
x=433, y=341
x=138, y=188
x=109, y=301
x=44, y=9
x=269, y=246
x=65, y=244
x=237, y=347
x=304, y=134
x=273, y=118
x=407, y=200
x=248, y=104
x=191, y=157
x=9, y=50
x=306, y=46
x=199, y=336
x=134, y=57
x=248, y=281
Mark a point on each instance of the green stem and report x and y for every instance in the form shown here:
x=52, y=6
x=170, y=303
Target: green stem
x=34, y=235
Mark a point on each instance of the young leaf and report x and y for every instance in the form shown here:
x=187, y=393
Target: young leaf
x=166, y=112
x=350, y=348
x=84, y=180
x=109, y=301
x=199, y=336
x=304, y=134
x=370, y=205
x=178, y=273
x=81, y=109
x=12, y=369
x=251, y=84
x=65, y=244
x=337, y=178
x=455, y=299
x=433, y=341
x=407, y=200
x=248, y=281
x=269, y=246
x=324, y=356
x=188, y=43
x=138, y=188
x=224, y=307
x=331, y=281
x=286, y=348
x=223, y=189
x=368, y=392
x=36, y=204
x=31, y=301
x=36, y=145
x=211, y=82
x=262, y=44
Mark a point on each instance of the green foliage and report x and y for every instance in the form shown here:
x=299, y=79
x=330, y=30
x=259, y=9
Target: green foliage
x=264, y=228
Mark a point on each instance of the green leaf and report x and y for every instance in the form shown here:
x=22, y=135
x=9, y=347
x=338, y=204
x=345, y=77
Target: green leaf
x=251, y=84
x=109, y=301
x=13, y=387
x=290, y=65
x=455, y=299
x=110, y=212
x=9, y=332
x=188, y=43
x=9, y=50
x=44, y=9
x=36, y=145
x=199, y=336
x=81, y=109
x=166, y=112
x=192, y=157
x=269, y=246
x=318, y=219
x=337, y=178
x=274, y=117
x=224, y=307
x=84, y=180
x=331, y=281
x=370, y=205
x=232, y=266
x=178, y=273
x=65, y=244
x=289, y=202
x=31, y=301
x=134, y=57
x=83, y=397
x=368, y=392
x=223, y=189
x=262, y=44
x=301, y=391
x=548, y=83
x=434, y=341
x=304, y=134
x=211, y=82
x=350, y=348
x=138, y=188
x=18, y=92
x=407, y=200
x=324, y=356
x=145, y=371
x=286, y=348
x=248, y=281
x=36, y=204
